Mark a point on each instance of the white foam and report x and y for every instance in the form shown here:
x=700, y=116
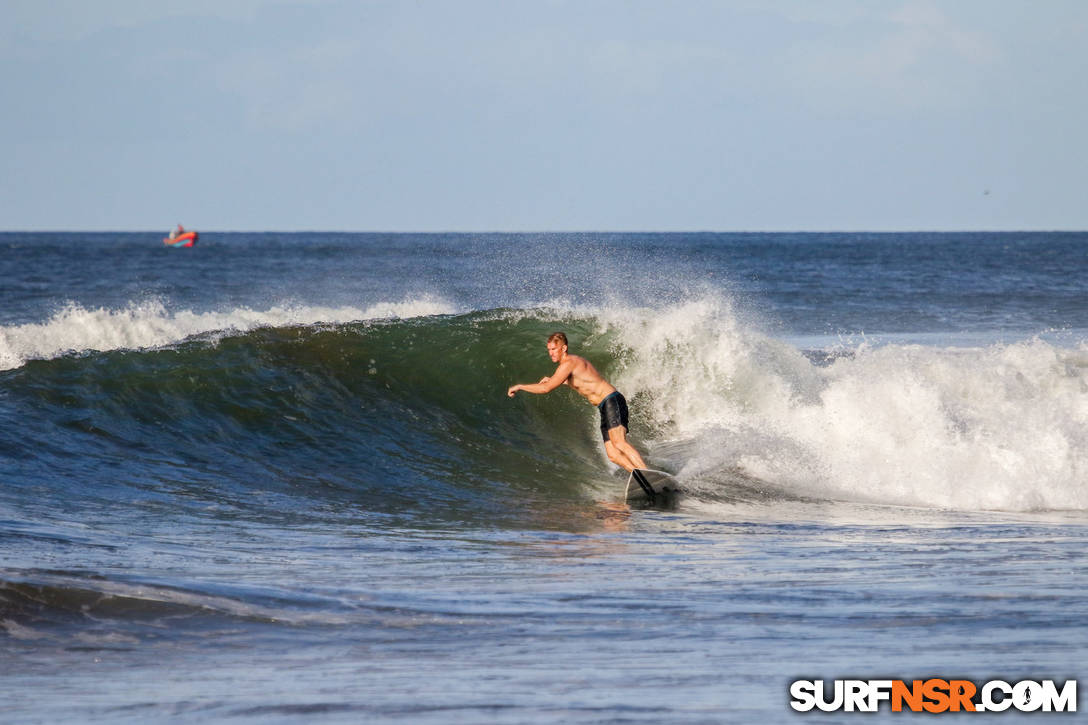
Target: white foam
x=151, y=324
x=1003, y=427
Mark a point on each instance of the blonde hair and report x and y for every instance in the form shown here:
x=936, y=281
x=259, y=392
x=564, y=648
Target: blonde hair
x=558, y=337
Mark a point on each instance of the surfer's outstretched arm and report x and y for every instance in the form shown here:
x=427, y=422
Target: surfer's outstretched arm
x=546, y=384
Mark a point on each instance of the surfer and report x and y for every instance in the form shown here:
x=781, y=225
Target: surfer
x=579, y=373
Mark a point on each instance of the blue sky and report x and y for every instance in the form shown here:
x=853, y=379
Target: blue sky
x=503, y=115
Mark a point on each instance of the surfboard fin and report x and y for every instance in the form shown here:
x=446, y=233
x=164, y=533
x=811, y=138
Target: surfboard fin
x=644, y=484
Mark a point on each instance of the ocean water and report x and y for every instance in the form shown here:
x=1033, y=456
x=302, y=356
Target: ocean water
x=276, y=477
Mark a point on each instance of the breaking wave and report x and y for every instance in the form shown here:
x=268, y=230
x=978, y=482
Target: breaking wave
x=407, y=401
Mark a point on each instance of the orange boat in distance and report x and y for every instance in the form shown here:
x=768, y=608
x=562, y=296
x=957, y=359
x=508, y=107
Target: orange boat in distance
x=181, y=238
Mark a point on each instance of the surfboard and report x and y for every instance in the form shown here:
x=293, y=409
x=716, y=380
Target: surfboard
x=645, y=484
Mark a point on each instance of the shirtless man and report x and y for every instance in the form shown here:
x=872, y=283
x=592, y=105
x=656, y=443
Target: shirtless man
x=578, y=373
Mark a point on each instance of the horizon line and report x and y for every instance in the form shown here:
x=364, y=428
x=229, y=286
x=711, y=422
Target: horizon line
x=564, y=231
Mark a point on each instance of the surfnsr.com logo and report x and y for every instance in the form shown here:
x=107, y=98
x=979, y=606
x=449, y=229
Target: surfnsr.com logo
x=933, y=695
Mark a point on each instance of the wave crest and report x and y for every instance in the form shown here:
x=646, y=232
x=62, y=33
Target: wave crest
x=151, y=324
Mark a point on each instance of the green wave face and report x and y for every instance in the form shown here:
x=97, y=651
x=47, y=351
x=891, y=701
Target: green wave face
x=392, y=415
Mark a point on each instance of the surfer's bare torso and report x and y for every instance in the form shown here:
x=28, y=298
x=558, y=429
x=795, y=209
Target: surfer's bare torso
x=579, y=373
x=574, y=371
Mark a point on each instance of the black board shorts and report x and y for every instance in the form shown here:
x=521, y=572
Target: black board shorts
x=613, y=413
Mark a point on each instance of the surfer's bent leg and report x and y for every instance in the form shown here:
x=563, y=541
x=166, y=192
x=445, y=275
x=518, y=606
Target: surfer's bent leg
x=614, y=419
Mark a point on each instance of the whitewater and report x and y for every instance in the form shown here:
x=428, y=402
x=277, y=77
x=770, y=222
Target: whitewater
x=276, y=476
